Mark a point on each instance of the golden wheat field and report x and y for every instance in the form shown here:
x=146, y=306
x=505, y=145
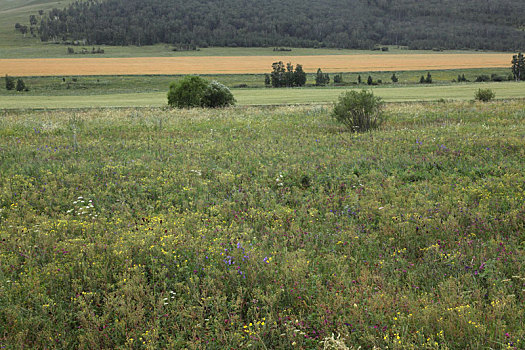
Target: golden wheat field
x=247, y=64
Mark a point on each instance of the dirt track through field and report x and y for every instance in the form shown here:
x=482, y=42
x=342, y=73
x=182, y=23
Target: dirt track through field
x=247, y=64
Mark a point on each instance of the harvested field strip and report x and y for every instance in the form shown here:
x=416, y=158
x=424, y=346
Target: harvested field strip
x=247, y=64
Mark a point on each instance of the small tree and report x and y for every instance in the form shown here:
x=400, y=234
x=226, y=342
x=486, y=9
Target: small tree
x=278, y=74
x=428, y=79
x=484, y=95
x=289, y=75
x=187, y=92
x=9, y=82
x=267, y=80
x=461, y=78
x=359, y=80
x=338, y=78
x=518, y=67
x=422, y=80
x=359, y=111
x=20, y=85
x=217, y=95
x=394, y=78
x=23, y=30
x=370, y=81
x=321, y=79
x=299, y=76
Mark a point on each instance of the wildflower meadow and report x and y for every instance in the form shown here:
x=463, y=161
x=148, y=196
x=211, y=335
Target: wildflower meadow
x=263, y=228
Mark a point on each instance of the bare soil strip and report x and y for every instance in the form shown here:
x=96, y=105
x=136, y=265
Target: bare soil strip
x=247, y=64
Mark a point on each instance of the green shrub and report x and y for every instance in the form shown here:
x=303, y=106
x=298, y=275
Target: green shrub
x=187, y=92
x=484, y=95
x=193, y=91
x=359, y=111
x=482, y=78
x=217, y=95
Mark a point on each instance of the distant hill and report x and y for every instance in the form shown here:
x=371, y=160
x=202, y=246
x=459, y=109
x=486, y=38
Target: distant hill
x=418, y=24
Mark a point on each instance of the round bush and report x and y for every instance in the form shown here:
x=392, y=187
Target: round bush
x=484, y=95
x=359, y=111
x=217, y=95
x=187, y=92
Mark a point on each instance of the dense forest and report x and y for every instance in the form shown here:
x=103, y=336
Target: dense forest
x=421, y=24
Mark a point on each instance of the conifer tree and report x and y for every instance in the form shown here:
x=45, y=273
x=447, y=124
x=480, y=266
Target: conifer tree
x=321, y=79
x=428, y=79
x=299, y=76
x=20, y=85
x=394, y=78
x=9, y=82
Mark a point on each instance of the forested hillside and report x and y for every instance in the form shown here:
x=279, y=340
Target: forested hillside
x=421, y=24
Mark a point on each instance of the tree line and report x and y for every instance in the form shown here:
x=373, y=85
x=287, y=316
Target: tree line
x=282, y=76
x=285, y=76
x=11, y=84
x=419, y=24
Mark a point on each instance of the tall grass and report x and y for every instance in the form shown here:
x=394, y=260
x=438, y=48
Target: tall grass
x=269, y=228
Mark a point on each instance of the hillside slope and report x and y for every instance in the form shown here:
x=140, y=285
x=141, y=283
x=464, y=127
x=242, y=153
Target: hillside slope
x=18, y=11
x=421, y=24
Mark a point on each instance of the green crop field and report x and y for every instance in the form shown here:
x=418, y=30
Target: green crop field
x=85, y=85
x=263, y=228
x=261, y=96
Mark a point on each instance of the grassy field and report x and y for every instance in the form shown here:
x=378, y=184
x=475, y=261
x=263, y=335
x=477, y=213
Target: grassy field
x=126, y=224
x=33, y=48
x=263, y=228
x=262, y=96
x=82, y=85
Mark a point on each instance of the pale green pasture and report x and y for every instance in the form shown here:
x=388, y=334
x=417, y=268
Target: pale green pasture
x=263, y=96
x=21, y=47
x=389, y=94
x=84, y=101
